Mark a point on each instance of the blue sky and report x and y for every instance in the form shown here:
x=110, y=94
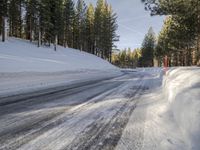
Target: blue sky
x=133, y=22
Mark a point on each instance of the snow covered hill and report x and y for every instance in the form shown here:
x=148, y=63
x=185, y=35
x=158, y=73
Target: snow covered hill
x=19, y=55
x=24, y=66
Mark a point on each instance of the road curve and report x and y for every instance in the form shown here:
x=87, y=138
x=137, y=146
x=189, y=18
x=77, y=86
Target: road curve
x=90, y=115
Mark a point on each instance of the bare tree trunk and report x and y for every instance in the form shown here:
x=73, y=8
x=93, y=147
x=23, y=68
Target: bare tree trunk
x=55, y=42
x=187, y=59
x=3, y=30
x=198, y=33
x=198, y=53
x=177, y=63
x=182, y=59
x=31, y=32
x=20, y=27
x=10, y=28
x=39, y=38
x=170, y=60
x=64, y=41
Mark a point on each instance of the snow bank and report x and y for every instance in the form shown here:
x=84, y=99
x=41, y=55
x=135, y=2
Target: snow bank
x=182, y=90
x=25, y=67
x=21, y=56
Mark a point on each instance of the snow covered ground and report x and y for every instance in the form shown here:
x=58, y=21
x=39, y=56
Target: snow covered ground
x=18, y=55
x=167, y=116
x=182, y=90
x=24, y=67
x=140, y=109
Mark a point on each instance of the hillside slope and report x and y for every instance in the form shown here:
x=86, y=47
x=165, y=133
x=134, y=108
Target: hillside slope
x=24, y=67
x=18, y=56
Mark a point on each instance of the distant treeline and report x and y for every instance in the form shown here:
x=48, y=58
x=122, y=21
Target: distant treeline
x=127, y=58
x=88, y=28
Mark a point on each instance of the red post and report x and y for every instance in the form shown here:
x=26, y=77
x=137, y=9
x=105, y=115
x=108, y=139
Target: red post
x=165, y=64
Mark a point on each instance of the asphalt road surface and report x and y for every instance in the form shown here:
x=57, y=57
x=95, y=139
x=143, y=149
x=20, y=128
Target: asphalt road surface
x=89, y=115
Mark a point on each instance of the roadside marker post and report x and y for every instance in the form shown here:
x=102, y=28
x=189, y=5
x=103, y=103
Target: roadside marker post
x=165, y=64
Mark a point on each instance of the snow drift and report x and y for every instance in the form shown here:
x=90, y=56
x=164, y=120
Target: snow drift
x=18, y=55
x=182, y=90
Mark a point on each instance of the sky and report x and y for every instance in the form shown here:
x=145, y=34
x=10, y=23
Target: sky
x=133, y=22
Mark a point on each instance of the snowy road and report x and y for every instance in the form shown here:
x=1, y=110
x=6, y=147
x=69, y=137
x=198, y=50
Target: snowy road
x=85, y=116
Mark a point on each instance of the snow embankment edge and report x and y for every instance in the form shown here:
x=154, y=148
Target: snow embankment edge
x=182, y=89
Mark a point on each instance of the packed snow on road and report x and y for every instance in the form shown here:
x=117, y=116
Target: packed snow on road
x=44, y=104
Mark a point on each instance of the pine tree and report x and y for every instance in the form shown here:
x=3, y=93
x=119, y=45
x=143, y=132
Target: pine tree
x=90, y=29
x=147, y=49
x=105, y=35
x=69, y=14
x=111, y=28
x=79, y=25
x=3, y=14
x=15, y=17
x=175, y=40
x=51, y=21
x=44, y=22
x=31, y=19
x=98, y=26
x=105, y=29
x=56, y=19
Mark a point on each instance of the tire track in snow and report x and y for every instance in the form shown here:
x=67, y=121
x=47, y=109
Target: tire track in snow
x=72, y=119
x=25, y=133
x=133, y=135
x=106, y=134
